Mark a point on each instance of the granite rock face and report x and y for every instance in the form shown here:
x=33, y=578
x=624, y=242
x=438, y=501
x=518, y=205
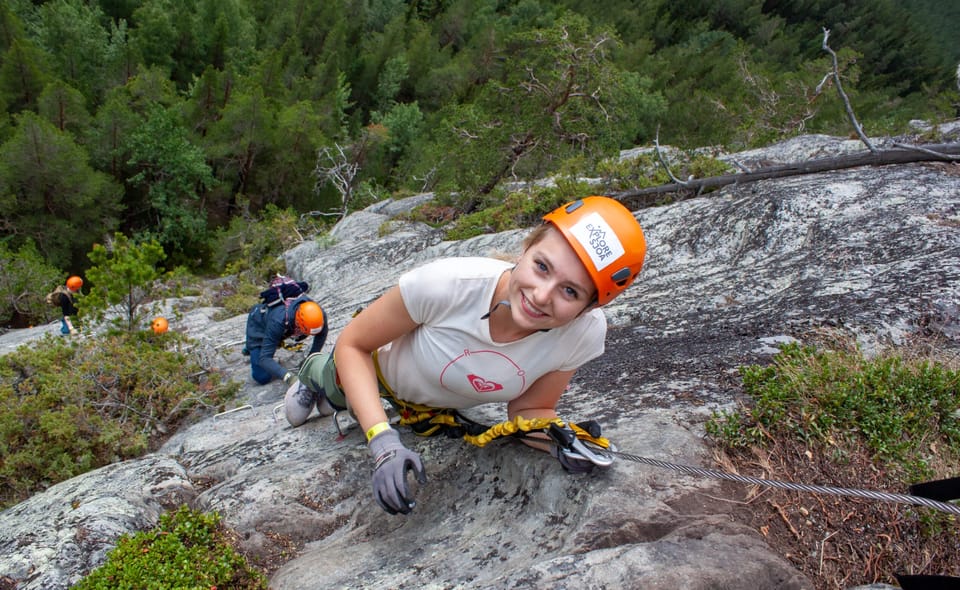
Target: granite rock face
x=875, y=251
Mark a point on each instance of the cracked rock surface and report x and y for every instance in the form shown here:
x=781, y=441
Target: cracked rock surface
x=875, y=251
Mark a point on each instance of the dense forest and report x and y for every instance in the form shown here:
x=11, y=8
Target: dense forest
x=167, y=119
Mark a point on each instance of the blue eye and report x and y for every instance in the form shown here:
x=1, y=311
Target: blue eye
x=540, y=266
x=571, y=293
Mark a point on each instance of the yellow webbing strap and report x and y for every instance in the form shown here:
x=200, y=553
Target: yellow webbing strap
x=421, y=411
x=521, y=424
x=411, y=413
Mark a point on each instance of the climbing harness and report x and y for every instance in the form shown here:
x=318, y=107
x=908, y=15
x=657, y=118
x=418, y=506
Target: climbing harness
x=584, y=442
x=580, y=442
x=426, y=420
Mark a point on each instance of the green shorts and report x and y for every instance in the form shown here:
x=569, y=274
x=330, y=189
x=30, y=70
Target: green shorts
x=319, y=374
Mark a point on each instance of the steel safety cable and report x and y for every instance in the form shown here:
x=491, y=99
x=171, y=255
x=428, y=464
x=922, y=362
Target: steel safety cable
x=783, y=485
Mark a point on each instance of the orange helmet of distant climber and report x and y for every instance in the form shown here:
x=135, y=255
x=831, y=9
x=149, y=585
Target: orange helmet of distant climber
x=74, y=283
x=608, y=240
x=159, y=325
x=309, y=318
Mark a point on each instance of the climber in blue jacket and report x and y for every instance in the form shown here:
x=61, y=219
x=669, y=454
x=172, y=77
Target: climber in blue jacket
x=269, y=325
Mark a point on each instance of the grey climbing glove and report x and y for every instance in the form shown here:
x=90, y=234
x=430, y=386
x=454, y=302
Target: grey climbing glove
x=393, y=461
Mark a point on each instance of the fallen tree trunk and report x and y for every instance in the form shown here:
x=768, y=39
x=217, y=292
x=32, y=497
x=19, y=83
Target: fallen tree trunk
x=944, y=152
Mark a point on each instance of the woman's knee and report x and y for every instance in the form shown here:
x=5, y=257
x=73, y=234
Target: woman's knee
x=298, y=404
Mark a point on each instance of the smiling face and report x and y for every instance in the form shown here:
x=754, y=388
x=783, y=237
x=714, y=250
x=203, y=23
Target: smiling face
x=549, y=287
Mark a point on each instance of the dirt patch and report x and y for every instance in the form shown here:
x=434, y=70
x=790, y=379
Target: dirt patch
x=836, y=541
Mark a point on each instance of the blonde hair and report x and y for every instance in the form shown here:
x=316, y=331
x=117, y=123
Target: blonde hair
x=536, y=235
x=531, y=239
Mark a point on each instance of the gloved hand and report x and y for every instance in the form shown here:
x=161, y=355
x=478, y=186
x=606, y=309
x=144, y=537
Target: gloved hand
x=393, y=461
x=571, y=464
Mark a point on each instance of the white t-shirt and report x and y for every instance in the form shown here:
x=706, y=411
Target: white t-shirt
x=450, y=360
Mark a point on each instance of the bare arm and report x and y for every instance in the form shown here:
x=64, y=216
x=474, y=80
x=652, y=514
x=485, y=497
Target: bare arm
x=540, y=400
x=385, y=320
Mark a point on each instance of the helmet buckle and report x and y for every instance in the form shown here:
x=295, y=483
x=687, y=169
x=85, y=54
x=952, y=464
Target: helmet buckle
x=620, y=276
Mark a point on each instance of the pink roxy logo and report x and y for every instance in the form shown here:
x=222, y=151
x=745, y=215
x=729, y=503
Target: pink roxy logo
x=481, y=385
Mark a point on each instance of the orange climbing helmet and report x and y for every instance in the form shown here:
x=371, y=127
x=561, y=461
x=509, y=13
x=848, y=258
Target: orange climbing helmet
x=608, y=240
x=309, y=318
x=74, y=283
x=159, y=325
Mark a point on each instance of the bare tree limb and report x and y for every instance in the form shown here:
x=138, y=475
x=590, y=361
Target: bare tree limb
x=427, y=179
x=843, y=95
x=342, y=172
x=663, y=162
x=920, y=148
x=947, y=152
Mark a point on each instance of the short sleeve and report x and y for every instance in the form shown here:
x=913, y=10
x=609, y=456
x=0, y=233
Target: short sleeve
x=589, y=342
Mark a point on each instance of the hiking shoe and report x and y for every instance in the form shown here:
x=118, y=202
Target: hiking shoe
x=298, y=402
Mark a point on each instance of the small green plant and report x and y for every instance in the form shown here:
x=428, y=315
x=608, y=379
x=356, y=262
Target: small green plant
x=831, y=416
x=510, y=211
x=69, y=406
x=433, y=214
x=25, y=279
x=188, y=549
x=631, y=173
x=251, y=246
x=895, y=409
x=238, y=300
x=702, y=166
x=121, y=276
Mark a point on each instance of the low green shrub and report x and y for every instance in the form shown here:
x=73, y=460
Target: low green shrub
x=25, y=279
x=896, y=409
x=251, y=247
x=188, y=550
x=68, y=406
x=833, y=417
x=511, y=211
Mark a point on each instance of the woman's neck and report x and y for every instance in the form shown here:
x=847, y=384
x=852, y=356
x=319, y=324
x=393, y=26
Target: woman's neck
x=502, y=327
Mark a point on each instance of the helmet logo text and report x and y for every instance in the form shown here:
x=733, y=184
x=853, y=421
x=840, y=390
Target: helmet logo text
x=598, y=239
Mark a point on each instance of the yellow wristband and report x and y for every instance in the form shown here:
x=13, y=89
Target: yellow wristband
x=377, y=429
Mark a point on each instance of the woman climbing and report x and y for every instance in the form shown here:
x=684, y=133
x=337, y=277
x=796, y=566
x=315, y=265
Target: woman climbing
x=460, y=332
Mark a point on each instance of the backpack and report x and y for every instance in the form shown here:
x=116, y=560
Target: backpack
x=258, y=315
x=282, y=289
x=53, y=297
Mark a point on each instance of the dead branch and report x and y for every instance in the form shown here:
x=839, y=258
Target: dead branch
x=663, y=162
x=947, y=152
x=922, y=149
x=843, y=95
x=342, y=172
x=786, y=519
